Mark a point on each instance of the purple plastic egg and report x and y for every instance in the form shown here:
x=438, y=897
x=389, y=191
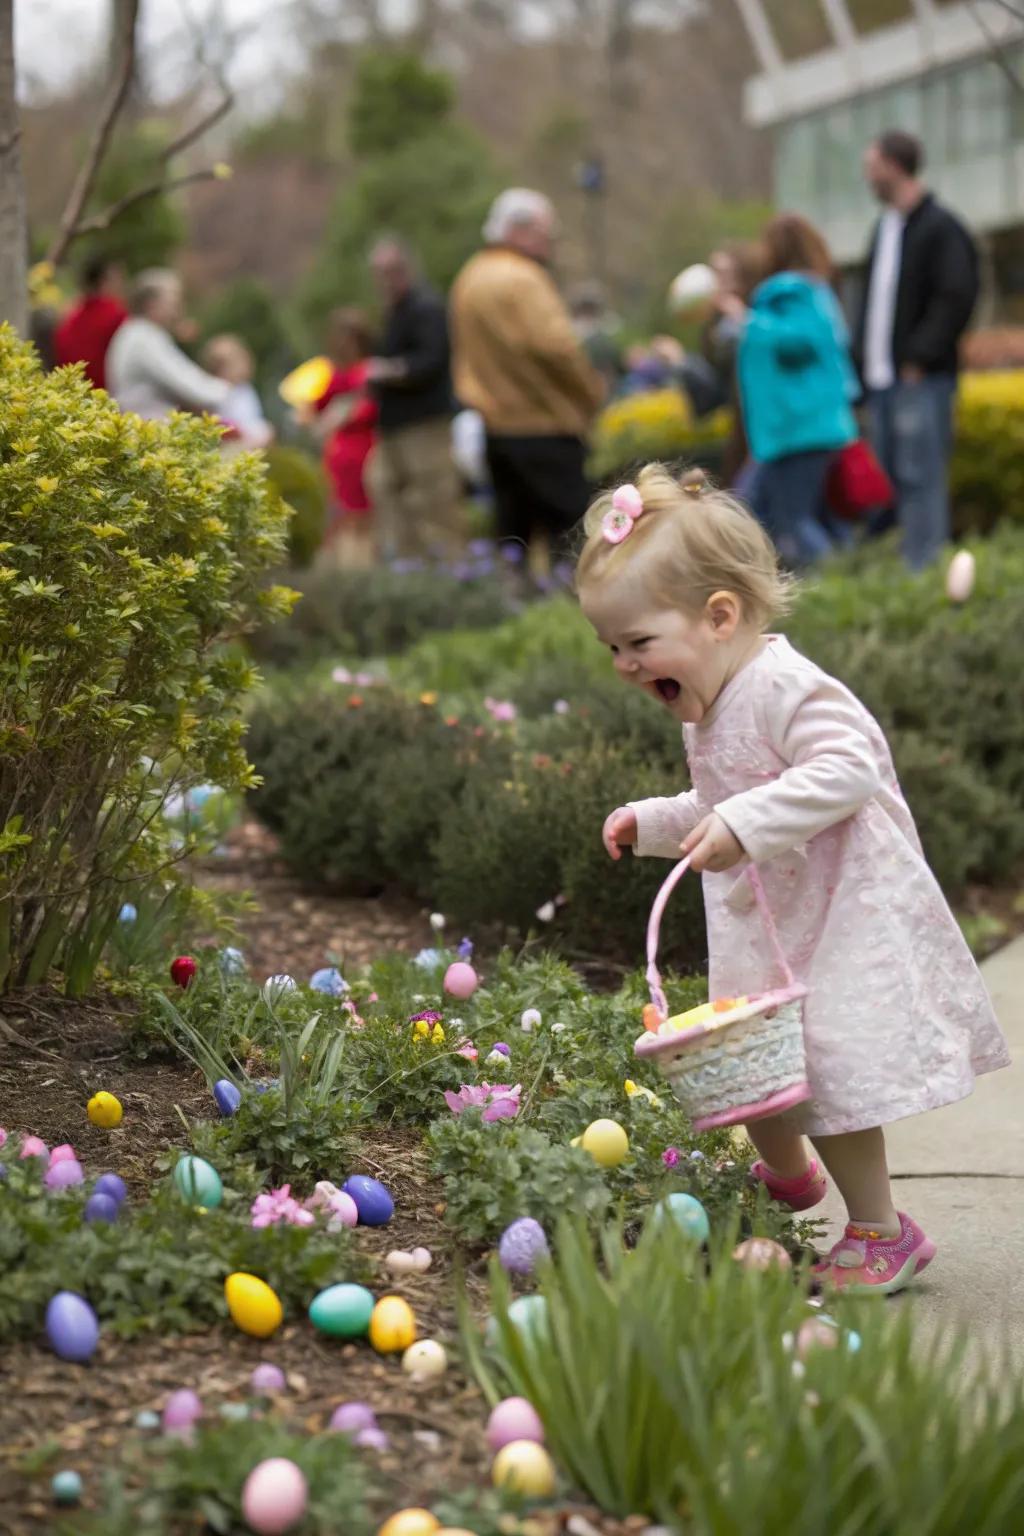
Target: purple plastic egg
x=101, y=1207
x=352, y=1418
x=268, y=1378
x=71, y=1326
x=373, y=1201
x=181, y=1411
x=372, y=1438
x=227, y=1097
x=63, y=1174
x=111, y=1184
x=513, y=1419
x=522, y=1245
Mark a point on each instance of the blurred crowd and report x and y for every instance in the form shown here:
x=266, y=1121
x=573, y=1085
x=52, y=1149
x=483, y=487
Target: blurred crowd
x=491, y=393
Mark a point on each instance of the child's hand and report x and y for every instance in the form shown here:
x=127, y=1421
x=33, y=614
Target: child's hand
x=619, y=831
x=711, y=846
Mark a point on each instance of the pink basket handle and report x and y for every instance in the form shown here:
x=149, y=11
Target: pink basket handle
x=658, y=911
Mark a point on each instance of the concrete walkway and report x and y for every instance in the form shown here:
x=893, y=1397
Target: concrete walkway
x=959, y=1171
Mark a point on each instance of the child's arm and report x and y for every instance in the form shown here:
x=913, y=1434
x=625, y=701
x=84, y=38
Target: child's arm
x=663, y=822
x=822, y=732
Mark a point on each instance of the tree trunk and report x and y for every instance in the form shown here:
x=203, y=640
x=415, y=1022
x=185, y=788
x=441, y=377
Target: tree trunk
x=13, y=228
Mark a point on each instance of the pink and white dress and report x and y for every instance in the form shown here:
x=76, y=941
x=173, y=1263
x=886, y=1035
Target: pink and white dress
x=897, y=1019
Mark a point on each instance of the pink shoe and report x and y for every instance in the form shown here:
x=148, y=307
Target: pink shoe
x=863, y=1261
x=796, y=1194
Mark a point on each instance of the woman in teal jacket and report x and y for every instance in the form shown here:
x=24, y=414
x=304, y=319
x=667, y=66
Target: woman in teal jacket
x=797, y=385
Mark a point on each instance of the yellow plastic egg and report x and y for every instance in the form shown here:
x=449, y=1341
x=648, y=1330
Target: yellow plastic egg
x=411, y=1522
x=606, y=1142
x=254, y=1307
x=105, y=1111
x=524, y=1467
x=392, y=1326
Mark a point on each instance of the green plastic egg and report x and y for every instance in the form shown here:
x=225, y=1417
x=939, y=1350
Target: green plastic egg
x=343, y=1311
x=199, y=1182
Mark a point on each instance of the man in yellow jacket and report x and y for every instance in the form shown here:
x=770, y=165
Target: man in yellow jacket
x=517, y=360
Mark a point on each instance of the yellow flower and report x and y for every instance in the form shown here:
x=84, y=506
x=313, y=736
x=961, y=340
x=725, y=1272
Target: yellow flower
x=635, y=1089
x=437, y=1035
x=430, y=697
x=48, y=483
x=223, y=171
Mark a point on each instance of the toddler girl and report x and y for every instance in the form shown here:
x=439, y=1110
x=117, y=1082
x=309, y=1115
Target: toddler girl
x=791, y=772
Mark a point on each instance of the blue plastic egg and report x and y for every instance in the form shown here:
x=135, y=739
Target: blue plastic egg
x=343, y=1311
x=128, y=913
x=101, y=1207
x=71, y=1326
x=66, y=1488
x=688, y=1214
x=199, y=1182
x=330, y=980
x=227, y=1097
x=111, y=1184
x=231, y=961
x=373, y=1202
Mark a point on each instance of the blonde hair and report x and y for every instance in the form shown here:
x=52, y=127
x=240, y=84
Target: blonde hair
x=690, y=541
x=220, y=352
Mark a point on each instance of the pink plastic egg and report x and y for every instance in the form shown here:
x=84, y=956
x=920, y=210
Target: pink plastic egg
x=34, y=1146
x=268, y=1378
x=63, y=1174
x=460, y=980
x=513, y=1419
x=63, y=1154
x=181, y=1411
x=274, y=1496
x=351, y=1418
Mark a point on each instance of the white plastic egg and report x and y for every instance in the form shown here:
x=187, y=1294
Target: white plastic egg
x=960, y=576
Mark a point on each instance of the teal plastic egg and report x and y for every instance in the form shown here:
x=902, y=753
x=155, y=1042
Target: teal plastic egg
x=343, y=1311
x=688, y=1214
x=199, y=1182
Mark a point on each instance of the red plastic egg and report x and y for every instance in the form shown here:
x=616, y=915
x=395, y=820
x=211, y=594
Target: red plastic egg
x=183, y=969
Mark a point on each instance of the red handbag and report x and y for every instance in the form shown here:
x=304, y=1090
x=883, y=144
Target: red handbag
x=857, y=484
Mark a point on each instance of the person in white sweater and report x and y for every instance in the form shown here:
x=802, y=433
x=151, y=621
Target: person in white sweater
x=147, y=372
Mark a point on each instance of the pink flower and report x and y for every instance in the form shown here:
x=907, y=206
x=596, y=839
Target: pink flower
x=670, y=1157
x=350, y=1007
x=500, y=709
x=341, y=675
x=3, y=1136
x=498, y=1101
x=468, y=1050
x=269, y=1209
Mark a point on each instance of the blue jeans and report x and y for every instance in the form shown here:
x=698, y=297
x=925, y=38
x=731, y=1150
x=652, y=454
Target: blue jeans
x=912, y=433
x=788, y=497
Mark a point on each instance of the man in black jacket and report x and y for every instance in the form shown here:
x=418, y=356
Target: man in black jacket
x=413, y=482
x=922, y=284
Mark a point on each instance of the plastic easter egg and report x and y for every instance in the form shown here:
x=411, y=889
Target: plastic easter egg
x=254, y=1307
x=410, y=1522
x=63, y=1174
x=373, y=1201
x=524, y=1467
x=34, y=1146
x=372, y=1438
x=329, y=980
x=425, y=1360
x=181, y=1411
x=692, y=287
x=235, y=1413
x=392, y=1326
x=527, y=1314
x=522, y=1245
x=113, y=1185
x=63, y=1154
x=652, y=1018
x=350, y=1418
x=268, y=1378
x=128, y=913
x=231, y=962
x=762, y=1253
x=816, y=1333
x=460, y=980
x=227, y=1097
x=606, y=1142
x=101, y=1207
x=147, y=1419
x=105, y=1111
x=198, y=1181
x=276, y=987
x=960, y=576
x=66, y=1488
x=71, y=1326
x=513, y=1419
x=274, y=1496
x=183, y=971
x=343, y=1311
x=422, y=1259
x=687, y=1213
x=400, y=1263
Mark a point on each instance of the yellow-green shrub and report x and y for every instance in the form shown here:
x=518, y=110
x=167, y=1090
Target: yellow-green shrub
x=130, y=553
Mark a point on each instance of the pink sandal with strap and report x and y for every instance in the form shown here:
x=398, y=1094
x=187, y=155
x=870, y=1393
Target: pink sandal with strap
x=795, y=1194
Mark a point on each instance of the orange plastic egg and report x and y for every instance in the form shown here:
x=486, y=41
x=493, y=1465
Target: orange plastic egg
x=652, y=1018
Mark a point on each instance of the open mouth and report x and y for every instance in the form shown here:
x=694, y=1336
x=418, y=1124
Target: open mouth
x=668, y=689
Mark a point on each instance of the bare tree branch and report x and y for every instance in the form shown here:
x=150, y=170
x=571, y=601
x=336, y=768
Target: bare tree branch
x=998, y=52
x=197, y=130
x=101, y=221
x=67, y=230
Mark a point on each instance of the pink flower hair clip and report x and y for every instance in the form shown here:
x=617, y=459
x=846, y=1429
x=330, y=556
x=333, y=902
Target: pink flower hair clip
x=627, y=505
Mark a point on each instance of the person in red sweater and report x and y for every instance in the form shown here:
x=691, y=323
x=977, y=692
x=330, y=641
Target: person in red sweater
x=87, y=329
x=344, y=417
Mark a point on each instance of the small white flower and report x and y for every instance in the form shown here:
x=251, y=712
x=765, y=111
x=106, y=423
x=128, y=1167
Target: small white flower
x=546, y=913
x=437, y=921
x=558, y=1027
x=530, y=1020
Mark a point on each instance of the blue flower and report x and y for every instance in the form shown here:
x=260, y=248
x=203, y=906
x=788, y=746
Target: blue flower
x=428, y=959
x=465, y=949
x=330, y=980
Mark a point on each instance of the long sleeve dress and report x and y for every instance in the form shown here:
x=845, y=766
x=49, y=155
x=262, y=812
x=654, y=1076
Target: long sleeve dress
x=897, y=1019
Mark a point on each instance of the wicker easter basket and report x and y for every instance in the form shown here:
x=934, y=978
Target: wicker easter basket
x=740, y=1060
